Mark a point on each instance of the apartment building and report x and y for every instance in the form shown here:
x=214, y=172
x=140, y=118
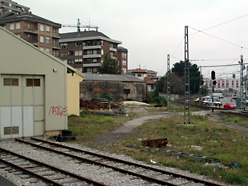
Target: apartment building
x=122, y=57
x=40, y=32
x=9, y=6
x=84, y=50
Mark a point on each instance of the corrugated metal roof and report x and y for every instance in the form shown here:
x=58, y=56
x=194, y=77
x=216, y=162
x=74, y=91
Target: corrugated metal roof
x=111, y=77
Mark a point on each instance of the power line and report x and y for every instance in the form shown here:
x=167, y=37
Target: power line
x=219, y=38
x=222, y=23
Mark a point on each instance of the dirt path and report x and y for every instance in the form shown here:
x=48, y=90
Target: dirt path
x=127, y=128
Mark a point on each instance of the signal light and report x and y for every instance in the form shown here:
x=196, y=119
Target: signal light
x=213, y=75
x=214, y=82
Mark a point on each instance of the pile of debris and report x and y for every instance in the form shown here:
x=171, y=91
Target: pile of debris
x=97, y=104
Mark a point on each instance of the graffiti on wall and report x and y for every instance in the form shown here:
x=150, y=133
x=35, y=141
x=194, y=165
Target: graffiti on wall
x=57, y=111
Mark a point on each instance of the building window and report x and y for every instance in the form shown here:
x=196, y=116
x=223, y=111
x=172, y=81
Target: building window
x=63, y=45
x=78, y=44
x=94, y=60
x=89, y=52
x=18, y=25
x=33, y=82
x=124, y=70
x=62, y=54
x=12, y=26
x=102, y=51
x=71, y=53
x=124, y=63
x=111, y=45
x=48, y=50
x=70, y=61
x=10, y=82
x=94, y=51
x=124, y=55
x=89, y=60
x=139, y=75
x=78, y=52
x=42, y=27
x=42, y=49
x=47, y=28
x=42, y=39
x=47, y=40
x=78, y=61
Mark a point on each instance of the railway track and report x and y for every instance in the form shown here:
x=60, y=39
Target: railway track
x=42, y=171
x=140, y=171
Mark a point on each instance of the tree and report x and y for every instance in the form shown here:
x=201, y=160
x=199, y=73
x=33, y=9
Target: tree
x=109, y=65
x=177, y=79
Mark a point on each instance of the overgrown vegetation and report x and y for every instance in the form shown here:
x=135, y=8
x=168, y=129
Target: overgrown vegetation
x=213, y=140
x=216, y=142
x=237, y=120
x=153, y=97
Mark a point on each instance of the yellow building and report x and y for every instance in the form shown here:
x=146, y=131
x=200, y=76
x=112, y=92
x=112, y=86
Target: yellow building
x=37, y=90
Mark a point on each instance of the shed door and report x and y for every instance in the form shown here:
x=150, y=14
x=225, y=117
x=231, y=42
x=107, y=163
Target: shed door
x=22, y=110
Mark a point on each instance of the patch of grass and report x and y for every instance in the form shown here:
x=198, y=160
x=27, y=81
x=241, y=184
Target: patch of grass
x=89, y=126
x=237, y=120
x=229, y=146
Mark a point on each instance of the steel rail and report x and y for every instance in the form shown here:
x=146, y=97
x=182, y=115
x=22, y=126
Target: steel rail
x=130, y=163
x=100, y=164
x=47, y=165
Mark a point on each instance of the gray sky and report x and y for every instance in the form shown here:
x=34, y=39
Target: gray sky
x=151, y=29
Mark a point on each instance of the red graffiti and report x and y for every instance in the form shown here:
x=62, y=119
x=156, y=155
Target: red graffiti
x=57, y=111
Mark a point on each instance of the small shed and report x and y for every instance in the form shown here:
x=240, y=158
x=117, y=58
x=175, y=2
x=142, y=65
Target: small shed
x=116, y=86
x=33, y=89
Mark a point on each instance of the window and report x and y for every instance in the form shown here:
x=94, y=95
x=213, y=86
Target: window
x=70, y=61
x=32, y=82
x=78, y=44
x=10, y=82
x=89, y=52
x=78, y=61
x=63, y=45
x=102, y=51
x=18, y=25
x=42, y=49
x=124, y=55
x=62, y=54
x=48, y=50
x=70, y=52
x=41, y=27
x=12, y=26
x=124, y=70
x=89, y=60
x=124, y=63
x=47, y=40
x=111, y=45
x=94, y=51
x=78, y=52
x=42, y=39
x=94, y=60
x=47, y=28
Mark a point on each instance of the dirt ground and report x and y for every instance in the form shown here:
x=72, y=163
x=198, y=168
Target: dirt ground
x=142, y=116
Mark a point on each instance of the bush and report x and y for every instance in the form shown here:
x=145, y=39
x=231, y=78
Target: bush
x=153, y=97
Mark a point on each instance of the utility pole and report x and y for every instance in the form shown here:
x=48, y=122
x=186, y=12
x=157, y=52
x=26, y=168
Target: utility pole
x=186, y=78
x=168, y=80
x=241, y=81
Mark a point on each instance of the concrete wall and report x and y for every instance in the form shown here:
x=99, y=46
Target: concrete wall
x=73, y=92
x=21, y=58
x=95, y=89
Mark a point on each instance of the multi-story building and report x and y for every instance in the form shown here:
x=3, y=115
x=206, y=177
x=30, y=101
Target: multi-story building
x=122, y=59
x=84, y=50
x=8, y=6
x=40, y=32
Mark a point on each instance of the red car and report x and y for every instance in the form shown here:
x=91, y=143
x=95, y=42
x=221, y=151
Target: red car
x=230, y=105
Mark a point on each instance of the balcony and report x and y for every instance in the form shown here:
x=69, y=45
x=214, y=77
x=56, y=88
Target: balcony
x=92, y=56
x=92, y=47
x=56, y=36
x=92, y=65
x=29, y=30
x=56, y=47
x=111, y=49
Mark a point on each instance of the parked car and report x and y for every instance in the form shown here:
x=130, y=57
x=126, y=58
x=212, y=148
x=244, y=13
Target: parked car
x=230, y=105
x=234, y=96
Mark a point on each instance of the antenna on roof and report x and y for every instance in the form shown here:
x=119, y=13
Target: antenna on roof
x=78, y=26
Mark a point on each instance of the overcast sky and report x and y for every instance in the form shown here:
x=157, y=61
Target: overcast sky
x=152, y=29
